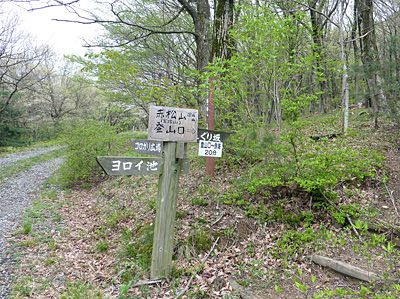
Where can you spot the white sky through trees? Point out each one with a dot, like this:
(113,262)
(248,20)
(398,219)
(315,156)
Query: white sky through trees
(63,37)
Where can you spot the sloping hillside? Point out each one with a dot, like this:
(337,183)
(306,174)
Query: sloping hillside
(279,199)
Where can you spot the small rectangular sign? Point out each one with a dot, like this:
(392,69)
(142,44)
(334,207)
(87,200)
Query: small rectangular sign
(211,135)
(130,165)
(149,147)
(210,149)
(172,124)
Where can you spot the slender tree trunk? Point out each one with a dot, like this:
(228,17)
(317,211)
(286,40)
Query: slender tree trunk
(369,55)
(202,25)
(317,36)
(345,85)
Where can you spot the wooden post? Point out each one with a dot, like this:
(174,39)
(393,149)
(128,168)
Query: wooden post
(166,211)
(210,161)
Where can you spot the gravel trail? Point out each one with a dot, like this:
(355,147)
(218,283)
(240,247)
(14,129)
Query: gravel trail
(16,194)
(26,155)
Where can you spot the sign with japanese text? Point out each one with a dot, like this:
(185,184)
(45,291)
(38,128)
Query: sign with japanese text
(211,135)
(130,165)
(172,124)
(149,147)
(210,148)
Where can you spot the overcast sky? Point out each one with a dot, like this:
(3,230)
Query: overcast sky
(64,38)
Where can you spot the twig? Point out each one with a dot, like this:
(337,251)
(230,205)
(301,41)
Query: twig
(347,216)
(353,227)
(146,282)
(219,219)
(181,293)
(390,193)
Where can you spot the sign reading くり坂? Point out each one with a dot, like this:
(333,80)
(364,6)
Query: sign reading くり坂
(149,147)
(130,165)
(211,135)
(172,124)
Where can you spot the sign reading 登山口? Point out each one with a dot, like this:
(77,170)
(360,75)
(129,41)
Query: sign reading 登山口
(172,124)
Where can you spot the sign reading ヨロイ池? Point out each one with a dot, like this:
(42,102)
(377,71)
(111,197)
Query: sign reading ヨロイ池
(172,124)
(149,147)
(130,165)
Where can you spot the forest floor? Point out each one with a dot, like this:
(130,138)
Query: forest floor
(96,242)
(23,179)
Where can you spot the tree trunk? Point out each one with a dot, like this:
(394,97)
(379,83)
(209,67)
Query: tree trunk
(345,85)
(369,55)
(202,32)
(317,36)
(222,42)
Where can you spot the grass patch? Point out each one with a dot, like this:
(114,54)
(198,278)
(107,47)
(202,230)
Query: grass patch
(102,246)
(79,290)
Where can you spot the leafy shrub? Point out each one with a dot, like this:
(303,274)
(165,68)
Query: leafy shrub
(12,135)
(85,141)
(294,163)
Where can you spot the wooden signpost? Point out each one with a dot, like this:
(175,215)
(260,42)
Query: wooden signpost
(169,130)
(172,124)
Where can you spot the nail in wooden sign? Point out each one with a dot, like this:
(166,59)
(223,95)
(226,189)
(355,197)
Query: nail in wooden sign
(172,124)
(130,165)
(148,147)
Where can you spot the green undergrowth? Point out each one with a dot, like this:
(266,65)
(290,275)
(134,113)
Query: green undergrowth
(79,290)
(292,166)
(85,141)
(25,164)
(135,252)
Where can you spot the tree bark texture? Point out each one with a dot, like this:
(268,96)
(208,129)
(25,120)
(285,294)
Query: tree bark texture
(369,54)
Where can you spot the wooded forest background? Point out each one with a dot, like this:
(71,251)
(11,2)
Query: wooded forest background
(260,62)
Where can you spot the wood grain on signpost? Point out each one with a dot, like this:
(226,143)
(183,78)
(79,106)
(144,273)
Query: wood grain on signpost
(166,210)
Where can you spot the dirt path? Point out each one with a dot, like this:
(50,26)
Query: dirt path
(9,159)
(16,194)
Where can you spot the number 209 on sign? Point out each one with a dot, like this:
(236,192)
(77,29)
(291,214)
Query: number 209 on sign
(210,148)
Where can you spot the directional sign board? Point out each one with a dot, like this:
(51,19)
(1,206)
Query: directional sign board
(172,124)
(211,142)
(149,147)
(211,135)
(130,165)
(210,149)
